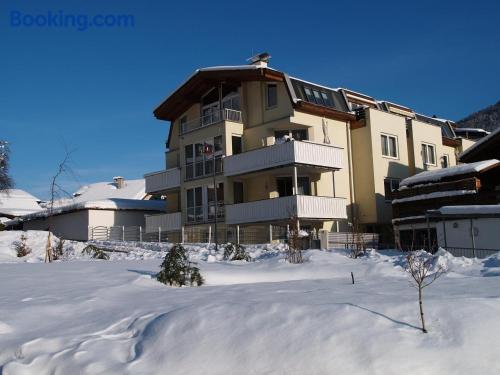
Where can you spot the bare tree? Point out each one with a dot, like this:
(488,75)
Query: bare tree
(5,180)
(56,191)
(419,265)
(358,246)
(294,252)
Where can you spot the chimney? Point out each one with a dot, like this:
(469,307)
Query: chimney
(260,60)
(119,182)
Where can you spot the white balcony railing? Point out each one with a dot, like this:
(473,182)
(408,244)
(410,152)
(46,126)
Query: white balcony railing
(287,153)
(213,118)
(163,180)
(163,222)
(283,208)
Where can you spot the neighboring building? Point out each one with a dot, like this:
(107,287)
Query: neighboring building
(346,152)
(471,133)
(15,203)
(486,148)
(119,203)
(432,204)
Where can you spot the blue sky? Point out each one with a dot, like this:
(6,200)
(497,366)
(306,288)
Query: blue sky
(94,91)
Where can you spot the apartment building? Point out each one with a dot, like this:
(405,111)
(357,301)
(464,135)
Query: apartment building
(250,145)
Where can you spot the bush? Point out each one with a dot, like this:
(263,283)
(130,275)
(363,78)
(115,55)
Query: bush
(21,246)
(58,251)
(177,270)
(235,252)
(95,252)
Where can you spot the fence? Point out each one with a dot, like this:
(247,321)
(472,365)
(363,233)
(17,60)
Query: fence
(348,240)
(193,234)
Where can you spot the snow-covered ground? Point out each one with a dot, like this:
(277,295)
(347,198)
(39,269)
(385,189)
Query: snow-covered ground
(82,316)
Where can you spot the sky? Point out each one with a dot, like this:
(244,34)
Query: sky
(92,90)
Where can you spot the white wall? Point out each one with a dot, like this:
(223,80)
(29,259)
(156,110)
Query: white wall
(75,225)
(458,233)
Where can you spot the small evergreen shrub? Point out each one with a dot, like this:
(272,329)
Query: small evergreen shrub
(21,247)
(177,270)
(234,251)
(95,252)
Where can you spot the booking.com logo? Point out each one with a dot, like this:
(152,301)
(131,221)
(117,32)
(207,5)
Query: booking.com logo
(80,22)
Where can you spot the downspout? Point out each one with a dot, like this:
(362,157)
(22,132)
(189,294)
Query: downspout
(351,171)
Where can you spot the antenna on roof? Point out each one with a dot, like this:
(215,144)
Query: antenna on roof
(260,59)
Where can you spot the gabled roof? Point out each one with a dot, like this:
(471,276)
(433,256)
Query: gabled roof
(203,79)
(17,202)
(132,189)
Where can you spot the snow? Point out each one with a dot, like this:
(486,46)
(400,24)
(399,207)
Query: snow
(260,317)
(434,195)
(16,202)
(491,209)
(132,189)
(471,130)
(439,174)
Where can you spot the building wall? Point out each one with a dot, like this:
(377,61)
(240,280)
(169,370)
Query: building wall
(380,122)
(458,233)
(430,134)
(71,225)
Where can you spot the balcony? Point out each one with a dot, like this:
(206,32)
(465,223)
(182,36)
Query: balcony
(287,153)
(163,180)
(213,118)
(163,222)
(283,208)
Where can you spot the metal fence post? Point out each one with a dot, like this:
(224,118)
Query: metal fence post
(209,234)
(159,234)
(182,234)
(140,233)
(270,233)
(123,233)
(473,238)
(91,230)
(238,234)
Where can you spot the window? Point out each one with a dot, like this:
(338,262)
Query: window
(236,143)
(194,205)
(445,161)
(428,154)
(285,186)
(390,185)
(326,99)
(199,164)
(317,97)
(389,145)
(272,95)
(183,122)
(309,95)
(211,203)
(238,192)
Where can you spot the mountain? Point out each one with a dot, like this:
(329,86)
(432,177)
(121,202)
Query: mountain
(487,118)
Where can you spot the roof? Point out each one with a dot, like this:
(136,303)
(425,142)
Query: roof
(105,204)
(449,173)
(488,209)
(17,202)
(471,130)
(132,189)
(484,148)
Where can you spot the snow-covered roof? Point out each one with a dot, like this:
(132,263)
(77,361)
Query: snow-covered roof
(132,189)
(433,195)
(440,174)
(17,202)
(105,204)
(471,130)
(490,209)
(480,142)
